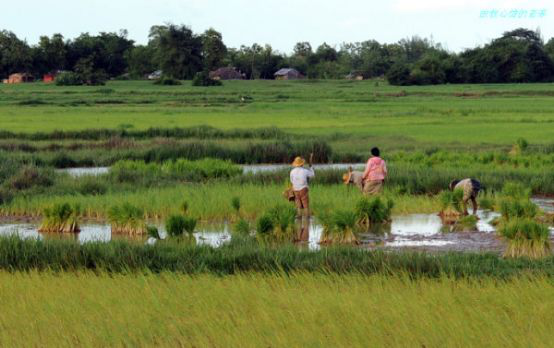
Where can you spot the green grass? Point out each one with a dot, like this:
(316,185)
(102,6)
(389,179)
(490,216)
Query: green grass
(252,310)
(497,114)
(210,201)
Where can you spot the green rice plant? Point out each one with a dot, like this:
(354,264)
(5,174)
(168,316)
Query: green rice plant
(235,203)
(190,224)
(344,222)
(152,231)
(241,227)
(526,237)
(373,211)
(61,217)
(175,225)
(283,216)
(486,203)
(466,223)
(184,208)
(451,205)
(516,209)
(127,219)
(515,190)
(265,225)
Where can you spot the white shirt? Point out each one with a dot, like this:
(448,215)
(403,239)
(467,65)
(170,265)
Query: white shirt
(299,177)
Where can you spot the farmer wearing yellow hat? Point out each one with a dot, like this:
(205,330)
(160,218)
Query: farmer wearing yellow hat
(299,177)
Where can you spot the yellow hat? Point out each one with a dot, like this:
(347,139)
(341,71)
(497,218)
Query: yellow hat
(346,177)
(298,162)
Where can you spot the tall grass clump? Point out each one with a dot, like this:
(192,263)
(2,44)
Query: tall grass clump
(371,211)
(127,219)
(526,237)
(265,225)
(60,217)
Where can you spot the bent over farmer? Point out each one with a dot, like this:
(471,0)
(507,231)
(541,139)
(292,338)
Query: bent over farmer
(299,177)
(375,173)
(471,188)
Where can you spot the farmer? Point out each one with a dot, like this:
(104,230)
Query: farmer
(354,177)
(374,174)
(471,188)
(299,177)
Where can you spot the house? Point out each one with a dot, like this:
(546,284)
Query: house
(49,77)
(227,73)
(155,75)
(288,74)
(20,78)
(354,76)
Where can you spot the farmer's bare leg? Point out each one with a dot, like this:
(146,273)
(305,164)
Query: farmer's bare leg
(475,206)
(464,203)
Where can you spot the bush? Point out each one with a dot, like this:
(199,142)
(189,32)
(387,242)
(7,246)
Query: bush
(68,79)
(167,81)
(202,79)
(399,74)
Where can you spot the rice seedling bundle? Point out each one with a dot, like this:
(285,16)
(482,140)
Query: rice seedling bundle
(338,227)
(264,225)
(517,208)
(451,205)
(283,217)
(60,218)
(373,211)
(152,231)
(127,219)
(241,227)
(526,238)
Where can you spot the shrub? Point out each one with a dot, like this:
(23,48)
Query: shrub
(526,238)
(60,218)
(373,211)
(68,79)
(202,79)
(167,81)
(128,219)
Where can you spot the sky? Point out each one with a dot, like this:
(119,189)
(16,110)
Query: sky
(455,24)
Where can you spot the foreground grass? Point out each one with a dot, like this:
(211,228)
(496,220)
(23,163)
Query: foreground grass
(253,310)
(246,255)
(212,201)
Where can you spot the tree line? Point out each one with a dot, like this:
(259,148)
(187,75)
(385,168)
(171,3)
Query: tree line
(519,55)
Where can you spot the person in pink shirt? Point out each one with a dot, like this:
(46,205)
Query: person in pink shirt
(374,174)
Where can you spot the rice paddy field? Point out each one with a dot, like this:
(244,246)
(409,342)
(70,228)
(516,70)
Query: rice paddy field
(146,154)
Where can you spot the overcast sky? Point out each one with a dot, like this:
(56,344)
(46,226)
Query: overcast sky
(457,24)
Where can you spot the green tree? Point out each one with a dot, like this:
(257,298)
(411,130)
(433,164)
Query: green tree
(178,51)
(213,49)
(141,61)
(15,54)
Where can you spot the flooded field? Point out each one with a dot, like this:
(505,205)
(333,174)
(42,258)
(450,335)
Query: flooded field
(255,168)
(416,231)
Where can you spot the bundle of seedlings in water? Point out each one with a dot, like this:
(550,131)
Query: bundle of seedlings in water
(127,219)
(338,227)
(283,217)
(153,232)
(181,227)
(264,227)
(241,227)
(466,223)
(526,238)
(451,206)
(60,218)
(370,211)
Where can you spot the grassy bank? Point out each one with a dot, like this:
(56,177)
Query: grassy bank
(245,256)
(85,309)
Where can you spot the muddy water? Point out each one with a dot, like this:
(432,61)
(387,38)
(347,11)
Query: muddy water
(257,168)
